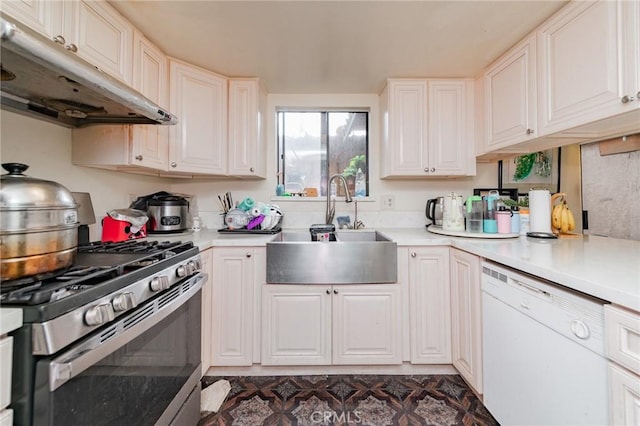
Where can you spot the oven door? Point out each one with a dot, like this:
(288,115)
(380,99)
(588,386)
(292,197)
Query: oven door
(139,370)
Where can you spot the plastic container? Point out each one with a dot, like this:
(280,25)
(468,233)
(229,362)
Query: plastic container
(474,213)
(503,218)
(246,204)
(515,220)
(489,210)
(361,184)
(524,221)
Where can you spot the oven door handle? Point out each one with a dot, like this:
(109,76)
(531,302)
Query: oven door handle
(80,357)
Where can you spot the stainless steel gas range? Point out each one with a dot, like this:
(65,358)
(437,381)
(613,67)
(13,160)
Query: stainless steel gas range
(113,340)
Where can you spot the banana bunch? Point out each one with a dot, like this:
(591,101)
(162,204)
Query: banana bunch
(562,220)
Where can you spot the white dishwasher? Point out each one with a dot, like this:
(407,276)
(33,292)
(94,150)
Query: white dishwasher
(543,351)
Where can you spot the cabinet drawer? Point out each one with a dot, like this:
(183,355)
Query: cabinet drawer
(623,337)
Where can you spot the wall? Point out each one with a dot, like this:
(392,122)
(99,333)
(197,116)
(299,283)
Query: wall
(611,184)
(46,148)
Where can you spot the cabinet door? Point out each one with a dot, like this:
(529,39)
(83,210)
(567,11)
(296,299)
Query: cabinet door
(102,36)
(367,324)
(150,143)
(510,97)
(404,120)
(43,16)
(624,394)
(582,60)
(430,312)
(207,309)
(197,144)
(232,307)
(296,324)
(466,317)
(247,150)
(451,144)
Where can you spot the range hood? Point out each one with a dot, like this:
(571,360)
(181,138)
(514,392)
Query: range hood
(41,79)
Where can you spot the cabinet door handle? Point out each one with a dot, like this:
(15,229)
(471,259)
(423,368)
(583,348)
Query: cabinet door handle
(335,291)
(59,39)
(71,48)
(426,169)
(638,96)
(248,254)
(433,169)
(174,164)
(139,157)
(252,170)
(413,254)
(529,131)
(328,291)
(626,99)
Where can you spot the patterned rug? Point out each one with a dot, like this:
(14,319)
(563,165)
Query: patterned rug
(348,400)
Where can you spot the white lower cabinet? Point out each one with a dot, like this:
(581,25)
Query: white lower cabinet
(624,394)
(236,271)
(429,305)
(323,324)
(622,327)
(466,317)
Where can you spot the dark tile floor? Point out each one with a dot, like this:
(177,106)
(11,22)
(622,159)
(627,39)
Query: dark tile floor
(348,400)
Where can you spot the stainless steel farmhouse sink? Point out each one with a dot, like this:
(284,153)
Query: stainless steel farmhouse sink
(356,257)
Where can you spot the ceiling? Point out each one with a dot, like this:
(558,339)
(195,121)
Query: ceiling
(304,46)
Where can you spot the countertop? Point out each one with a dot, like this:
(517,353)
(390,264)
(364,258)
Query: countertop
(606,268)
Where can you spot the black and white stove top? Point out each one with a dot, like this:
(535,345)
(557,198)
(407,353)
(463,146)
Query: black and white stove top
(99,269)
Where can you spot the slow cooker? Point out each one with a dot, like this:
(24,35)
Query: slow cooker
(167,214)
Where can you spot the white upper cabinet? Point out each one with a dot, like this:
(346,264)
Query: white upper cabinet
(588,67)
(510,107)
(427,128)
(451,145)
(43,16)
(92,29)
(150,143)
(142,148)
(198,143)
(247,128)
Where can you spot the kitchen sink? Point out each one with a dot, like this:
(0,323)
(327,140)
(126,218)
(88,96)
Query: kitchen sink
(356,257)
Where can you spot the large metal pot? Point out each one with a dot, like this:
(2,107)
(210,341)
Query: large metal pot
(38,225)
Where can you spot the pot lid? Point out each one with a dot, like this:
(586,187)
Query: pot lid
(19,191)
(168,200)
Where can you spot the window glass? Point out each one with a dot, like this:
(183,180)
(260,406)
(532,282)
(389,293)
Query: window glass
(314,145)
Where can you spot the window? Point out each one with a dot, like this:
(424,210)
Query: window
(315,145)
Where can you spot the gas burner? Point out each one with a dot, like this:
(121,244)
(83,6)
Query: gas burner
(129,246)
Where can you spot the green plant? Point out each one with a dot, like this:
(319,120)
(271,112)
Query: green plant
(524,165)
(356,162)
(523,202)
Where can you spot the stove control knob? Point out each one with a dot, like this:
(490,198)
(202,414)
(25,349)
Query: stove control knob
(124,302)
(161,282)
(100,314)
(181,271)
(193,267)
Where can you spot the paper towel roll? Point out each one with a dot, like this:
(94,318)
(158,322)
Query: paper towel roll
(539,210)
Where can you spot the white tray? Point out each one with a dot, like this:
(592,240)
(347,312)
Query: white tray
(439,230)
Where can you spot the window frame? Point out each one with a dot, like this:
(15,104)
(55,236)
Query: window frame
(324,143)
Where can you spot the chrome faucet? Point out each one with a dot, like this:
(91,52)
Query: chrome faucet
(331,210)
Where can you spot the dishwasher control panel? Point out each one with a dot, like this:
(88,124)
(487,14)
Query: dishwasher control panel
(577,316)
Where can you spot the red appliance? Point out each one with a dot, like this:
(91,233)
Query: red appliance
(122,225)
